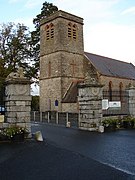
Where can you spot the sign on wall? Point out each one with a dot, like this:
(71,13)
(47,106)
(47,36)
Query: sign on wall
(110,104)
(115,104)
(105,104)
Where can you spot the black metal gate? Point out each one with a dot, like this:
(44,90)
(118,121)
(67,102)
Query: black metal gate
(121,96)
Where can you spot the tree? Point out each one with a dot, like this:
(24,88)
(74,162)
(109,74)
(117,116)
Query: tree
(46,10)
(20,48)
(15,49)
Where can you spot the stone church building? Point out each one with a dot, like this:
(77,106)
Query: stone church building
(64,64)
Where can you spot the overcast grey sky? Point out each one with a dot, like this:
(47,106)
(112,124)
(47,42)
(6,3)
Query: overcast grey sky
(109,25)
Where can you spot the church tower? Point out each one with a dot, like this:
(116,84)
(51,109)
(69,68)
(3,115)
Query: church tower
(61,59)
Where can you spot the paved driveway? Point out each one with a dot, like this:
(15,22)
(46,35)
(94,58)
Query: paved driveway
(115,149)
(70,154)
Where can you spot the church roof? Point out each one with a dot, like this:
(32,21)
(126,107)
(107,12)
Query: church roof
(105,66)
(111,67)
(71,94)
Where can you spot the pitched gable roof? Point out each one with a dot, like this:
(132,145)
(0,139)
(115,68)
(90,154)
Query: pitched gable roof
(71,94)
(111,67)
(105,66)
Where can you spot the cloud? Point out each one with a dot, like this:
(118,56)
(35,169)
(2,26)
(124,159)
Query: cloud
(129,11)
(112,40)
(33,3)
(14,1)
(92,11)
(91,8)
(35,89)
(101,34)
(29,4)
(26,21)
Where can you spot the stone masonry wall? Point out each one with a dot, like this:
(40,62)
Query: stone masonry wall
(61,59)
(90,106)
(61,41)
(18,100)
(70,107)
(50,90)
(131,92)
(115,82)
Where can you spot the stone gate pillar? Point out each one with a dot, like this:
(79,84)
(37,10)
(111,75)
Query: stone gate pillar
(18,100)
(90,105)
(131,100)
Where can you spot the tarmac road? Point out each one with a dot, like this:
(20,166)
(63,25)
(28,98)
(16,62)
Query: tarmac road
(115,149)
(69,154)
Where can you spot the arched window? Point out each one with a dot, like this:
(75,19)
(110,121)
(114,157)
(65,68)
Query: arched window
(73,67)
(49,31)
(72,31)
(110,90)
(120,90)
(49,69)
(52,30)
(56,102)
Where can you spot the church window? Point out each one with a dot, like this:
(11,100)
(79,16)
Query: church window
(56,102)
(73,66)
(72,31)
(69,30)
(110,90)
(120,90)
(49,69)
(49,31)
(52,30)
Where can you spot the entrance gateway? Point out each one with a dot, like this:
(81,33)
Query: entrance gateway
(90,104)
(18,100)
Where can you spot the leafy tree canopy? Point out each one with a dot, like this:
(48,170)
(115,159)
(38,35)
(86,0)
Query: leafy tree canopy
(16,49)
(19,47)
(46,10)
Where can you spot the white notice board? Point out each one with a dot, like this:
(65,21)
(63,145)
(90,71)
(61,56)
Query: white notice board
(114,104)
(105,104)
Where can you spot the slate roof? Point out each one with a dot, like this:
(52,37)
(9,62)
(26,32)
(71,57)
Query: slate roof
(111,67)
(71,94)
(105,66)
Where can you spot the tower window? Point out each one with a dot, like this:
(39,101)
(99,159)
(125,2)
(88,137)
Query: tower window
(52,30)
(72,31)
(49,69)
(49,31)
(69,30)
(73,66)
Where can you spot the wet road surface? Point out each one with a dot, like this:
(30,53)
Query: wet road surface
(70,154)
(114,149)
